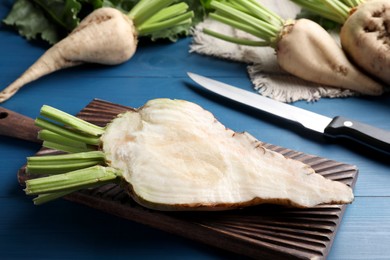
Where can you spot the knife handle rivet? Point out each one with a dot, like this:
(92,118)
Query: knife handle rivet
(348,123)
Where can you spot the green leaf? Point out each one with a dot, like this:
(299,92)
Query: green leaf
(172,34)
(123,5)
(63,12)
(94,3)
(31,23)
(198,9)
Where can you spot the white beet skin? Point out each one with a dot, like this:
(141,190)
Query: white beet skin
(365,37)
(306,50)
(106,36)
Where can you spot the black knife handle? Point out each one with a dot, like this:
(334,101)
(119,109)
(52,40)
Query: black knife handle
(370,136)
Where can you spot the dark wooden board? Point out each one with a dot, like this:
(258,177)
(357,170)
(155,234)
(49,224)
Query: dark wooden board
(265,231)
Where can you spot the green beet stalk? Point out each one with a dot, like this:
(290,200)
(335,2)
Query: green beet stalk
(82,166)
(56,164)
(64,129)
(334,10)
(71,180)
(321,9)
(184,18)
(55,186)
(151,16)
(47,197)
(73,134)
(248,16)
(62,143)
(69,120)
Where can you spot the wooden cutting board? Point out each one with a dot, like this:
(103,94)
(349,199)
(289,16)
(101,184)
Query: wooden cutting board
(265,231)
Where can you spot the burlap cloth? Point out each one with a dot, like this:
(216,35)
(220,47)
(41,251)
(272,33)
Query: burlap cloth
(267,77)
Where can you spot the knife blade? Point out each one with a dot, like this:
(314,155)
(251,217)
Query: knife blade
(336,127)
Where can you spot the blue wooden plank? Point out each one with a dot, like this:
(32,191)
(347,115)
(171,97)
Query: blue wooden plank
(65,230)
(364,233)
(13,155)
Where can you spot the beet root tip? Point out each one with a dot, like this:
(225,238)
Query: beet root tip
(7,93)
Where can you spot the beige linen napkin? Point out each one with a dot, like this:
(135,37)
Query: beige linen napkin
(267,77)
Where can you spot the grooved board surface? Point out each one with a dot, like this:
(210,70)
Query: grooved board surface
(261,231)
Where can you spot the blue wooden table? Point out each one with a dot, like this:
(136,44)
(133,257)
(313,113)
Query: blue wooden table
(64,230)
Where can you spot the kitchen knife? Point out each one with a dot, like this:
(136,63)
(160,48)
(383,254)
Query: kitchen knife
(337,127)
